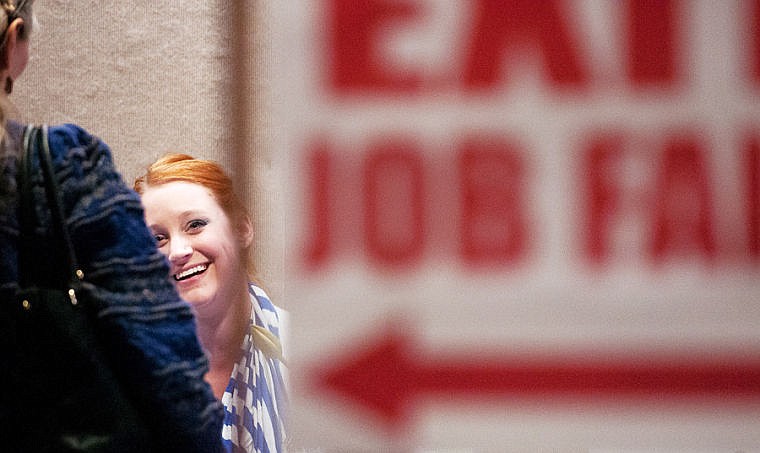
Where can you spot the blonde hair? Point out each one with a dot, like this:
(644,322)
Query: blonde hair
(14,9)
(209,174)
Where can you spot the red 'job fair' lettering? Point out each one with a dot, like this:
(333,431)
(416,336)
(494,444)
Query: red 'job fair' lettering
(494,224)
(387,192)
(602,195)
(752,164)
(683,221)
(394,204)
(319,197)
(387,202)
(673,200)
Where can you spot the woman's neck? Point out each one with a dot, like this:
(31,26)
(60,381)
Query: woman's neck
(222,339)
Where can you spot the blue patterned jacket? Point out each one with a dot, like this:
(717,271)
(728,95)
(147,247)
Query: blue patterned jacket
(128,277)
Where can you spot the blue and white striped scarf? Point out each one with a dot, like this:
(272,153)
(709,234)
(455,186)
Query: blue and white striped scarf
(255,398)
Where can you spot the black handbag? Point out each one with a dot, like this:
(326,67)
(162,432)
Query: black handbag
(65,396)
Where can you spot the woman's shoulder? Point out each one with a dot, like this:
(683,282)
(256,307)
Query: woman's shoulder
(275,318)
(74,148)
(258,291)
(88,177)
(71,129)
(61,137)
(265,302)
(70,136)
(271,313)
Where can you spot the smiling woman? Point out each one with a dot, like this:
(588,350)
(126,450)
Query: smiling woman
(206,234)
(205,251)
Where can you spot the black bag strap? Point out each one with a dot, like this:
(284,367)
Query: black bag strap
(35,142)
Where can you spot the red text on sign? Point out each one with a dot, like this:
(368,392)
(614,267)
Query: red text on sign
(396,205)
(498,34)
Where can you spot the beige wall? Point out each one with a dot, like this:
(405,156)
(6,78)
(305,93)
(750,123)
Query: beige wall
(152,77)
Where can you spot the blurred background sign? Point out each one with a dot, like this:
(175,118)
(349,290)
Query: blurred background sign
(518,225)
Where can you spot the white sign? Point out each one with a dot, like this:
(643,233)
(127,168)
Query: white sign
(521,226)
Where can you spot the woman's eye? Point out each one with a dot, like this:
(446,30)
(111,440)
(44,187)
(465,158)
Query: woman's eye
(196,224)
(160,239)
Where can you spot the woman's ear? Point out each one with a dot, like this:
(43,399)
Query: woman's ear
(245,232)
(16,54)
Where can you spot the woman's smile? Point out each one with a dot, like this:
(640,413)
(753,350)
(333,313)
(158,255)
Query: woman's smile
(190,272)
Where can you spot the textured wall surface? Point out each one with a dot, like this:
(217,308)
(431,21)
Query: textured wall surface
(152,77)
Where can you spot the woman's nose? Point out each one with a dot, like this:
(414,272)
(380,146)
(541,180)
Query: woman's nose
(179,250)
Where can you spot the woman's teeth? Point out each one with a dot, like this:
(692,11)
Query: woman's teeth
(190,272)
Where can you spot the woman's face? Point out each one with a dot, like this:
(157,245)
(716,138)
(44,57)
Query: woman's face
(203,248)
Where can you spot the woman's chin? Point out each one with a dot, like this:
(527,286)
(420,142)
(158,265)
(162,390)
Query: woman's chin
(198,301)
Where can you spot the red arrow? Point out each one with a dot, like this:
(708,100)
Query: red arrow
(388,377)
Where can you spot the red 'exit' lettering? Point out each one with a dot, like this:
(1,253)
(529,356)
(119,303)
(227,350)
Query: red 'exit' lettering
(396,207)
(500,32)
